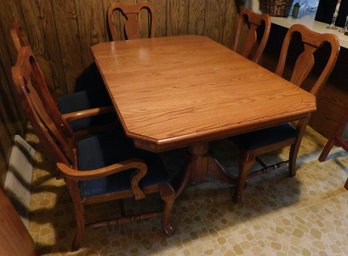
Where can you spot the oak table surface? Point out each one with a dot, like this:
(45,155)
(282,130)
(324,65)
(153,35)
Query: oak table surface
(180,91)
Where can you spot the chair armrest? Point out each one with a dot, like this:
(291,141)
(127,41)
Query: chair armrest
(87,113)
(141,167)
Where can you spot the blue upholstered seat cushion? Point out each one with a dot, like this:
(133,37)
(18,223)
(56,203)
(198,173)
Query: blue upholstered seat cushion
(85,100)
(265,137)
(109,148)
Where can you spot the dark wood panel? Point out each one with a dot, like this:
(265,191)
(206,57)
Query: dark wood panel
(67,31)
(197,9)
(161,18)
(91,27)
(177,17)
(48,26)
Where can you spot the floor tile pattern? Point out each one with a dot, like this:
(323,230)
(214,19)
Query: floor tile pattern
(303,215)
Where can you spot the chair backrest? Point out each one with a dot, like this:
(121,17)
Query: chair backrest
(131,13)
(312,41)
(253,46)
(18,36)
(55,140)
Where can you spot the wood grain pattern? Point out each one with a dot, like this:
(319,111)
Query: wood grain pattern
(14,237)
(177,17)
(91,27)
(176,89)
(62,31)
(68,37)
(197,9)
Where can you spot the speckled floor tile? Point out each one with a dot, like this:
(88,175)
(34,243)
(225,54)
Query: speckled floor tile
(303,215)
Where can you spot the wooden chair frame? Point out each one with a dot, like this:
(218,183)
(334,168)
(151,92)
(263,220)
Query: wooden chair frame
(252,48)
(131,12)
(62,148)
(337,140)
(303,66)
(18,36)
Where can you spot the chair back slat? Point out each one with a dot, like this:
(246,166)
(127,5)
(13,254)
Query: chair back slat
(252,47)
(54,139)
(18,36)
(131,13)
(312,42)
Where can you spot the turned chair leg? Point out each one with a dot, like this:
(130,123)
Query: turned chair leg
(245,164)
(332,140)
(80,227)
(293,157)
(167,194)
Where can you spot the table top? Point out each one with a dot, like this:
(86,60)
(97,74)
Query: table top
(172,92)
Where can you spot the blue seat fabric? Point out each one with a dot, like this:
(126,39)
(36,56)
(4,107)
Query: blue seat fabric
(83,100)
(265,137)
(109,148)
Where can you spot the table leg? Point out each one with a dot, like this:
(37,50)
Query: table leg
(199,166)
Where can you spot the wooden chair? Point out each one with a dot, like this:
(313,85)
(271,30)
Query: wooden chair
(254,144)
(253,46)
(97,168)
(131,13)
(337,140)
(95,100)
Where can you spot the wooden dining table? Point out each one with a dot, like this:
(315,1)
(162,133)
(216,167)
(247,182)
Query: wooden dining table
(185,91)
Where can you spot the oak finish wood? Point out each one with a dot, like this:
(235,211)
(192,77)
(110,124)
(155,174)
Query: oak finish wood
(15,239)
(131,26)
(252,47)
(185,91)
(304,64)
(338,140)
(60,143)
(61,32)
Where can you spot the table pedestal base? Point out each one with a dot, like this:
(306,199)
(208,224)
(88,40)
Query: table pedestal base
(201,164)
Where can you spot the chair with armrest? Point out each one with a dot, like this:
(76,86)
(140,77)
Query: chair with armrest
(337,140)
(98,168)
(71,105)
(131,26)
(251,47)
(254,144)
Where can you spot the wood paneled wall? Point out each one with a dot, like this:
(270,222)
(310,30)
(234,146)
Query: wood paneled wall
(62,31)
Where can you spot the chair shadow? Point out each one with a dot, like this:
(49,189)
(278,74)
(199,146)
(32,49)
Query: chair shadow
(200,210)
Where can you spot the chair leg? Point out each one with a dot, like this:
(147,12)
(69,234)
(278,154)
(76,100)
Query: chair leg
(346,185)
(327,148)
(245,164)
(292,157)
(80,226)
(337,134)
(79,213)
(168,196)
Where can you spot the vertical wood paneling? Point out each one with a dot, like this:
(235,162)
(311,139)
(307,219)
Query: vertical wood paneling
(68,37)
(91,27)
(36,37)
(48,27)
(161,18)
(177,17)
(196,17)
(11,118)
(227,22)
(212,19)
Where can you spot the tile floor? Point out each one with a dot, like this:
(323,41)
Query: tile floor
(303,215)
